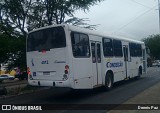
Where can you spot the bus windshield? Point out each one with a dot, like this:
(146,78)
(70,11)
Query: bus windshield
(46,39)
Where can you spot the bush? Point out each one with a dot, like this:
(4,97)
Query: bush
(3,91)
(22,76)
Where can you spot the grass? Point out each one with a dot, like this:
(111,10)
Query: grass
(21,90)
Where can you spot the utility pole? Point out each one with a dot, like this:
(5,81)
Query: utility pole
(159,14)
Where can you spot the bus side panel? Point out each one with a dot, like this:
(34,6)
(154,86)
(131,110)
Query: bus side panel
(80,76)
(134,66)
(69,57)
(144,55)
(82,73)
(118,69)
(84,83)
(136,61)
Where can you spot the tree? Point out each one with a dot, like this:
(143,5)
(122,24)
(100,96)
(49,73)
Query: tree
(36,16)
(31,14)
(12,42)
(54,11)
(81,22)
(17,17)
(153,42)
(15,14)
(12,51)
(17,55)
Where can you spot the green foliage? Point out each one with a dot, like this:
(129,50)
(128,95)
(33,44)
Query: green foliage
(17,17)
(81,22)
(19,51)
(153,42)
(15,14)
(49,12)
(25,15)
(12,50)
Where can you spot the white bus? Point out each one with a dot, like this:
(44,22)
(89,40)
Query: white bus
(78,58)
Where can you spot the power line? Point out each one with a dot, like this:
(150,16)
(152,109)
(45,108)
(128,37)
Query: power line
(141,4)
(135,19)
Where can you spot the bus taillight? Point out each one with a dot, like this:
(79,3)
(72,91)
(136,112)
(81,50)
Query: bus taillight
(43,51)
(28,71)
(67,67)
(66,71)
(65,76)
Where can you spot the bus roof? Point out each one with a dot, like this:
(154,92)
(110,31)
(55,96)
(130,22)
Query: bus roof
(101,34)
(90,32)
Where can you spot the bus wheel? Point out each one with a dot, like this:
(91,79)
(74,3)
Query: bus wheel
(108,81)
(139,74)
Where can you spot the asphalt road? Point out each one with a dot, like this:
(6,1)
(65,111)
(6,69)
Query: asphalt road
(121,92)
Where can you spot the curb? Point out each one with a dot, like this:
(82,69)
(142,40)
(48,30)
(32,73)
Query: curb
(20,92)
(146,98)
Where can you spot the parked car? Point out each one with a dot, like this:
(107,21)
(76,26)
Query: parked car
(6,77)
(22,76)
(158,64)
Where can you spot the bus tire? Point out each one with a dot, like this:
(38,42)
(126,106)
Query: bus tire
(139,73)
(108,81)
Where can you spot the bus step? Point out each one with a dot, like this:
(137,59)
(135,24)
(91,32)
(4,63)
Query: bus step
(127,78)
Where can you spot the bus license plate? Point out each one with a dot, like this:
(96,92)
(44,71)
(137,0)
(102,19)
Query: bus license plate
(46,73)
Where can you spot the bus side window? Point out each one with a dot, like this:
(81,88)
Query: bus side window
(117,46)
(80,45)
(135,50)
(77,50)
(107,47)
(139,50)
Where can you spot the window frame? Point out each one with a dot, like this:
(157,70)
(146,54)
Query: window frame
(79,33)
(111,47)
(139,50)
(135,49)
(119,48)
(32,37)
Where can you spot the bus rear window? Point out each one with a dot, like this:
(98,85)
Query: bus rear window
(46,39)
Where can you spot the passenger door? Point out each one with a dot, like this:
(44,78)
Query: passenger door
(144,60)
(96,62)
(126,60)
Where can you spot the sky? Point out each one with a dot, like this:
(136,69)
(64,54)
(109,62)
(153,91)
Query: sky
(135,19)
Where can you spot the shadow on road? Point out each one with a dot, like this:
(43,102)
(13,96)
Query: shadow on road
(62,95)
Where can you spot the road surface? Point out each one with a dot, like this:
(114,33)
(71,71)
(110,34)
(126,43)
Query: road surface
(121,92)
